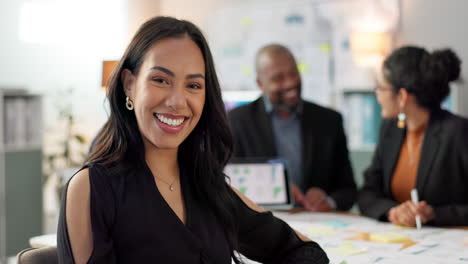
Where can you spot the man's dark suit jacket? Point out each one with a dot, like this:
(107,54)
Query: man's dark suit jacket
(324,152)
(442,178)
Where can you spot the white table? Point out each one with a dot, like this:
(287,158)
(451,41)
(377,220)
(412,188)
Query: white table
(334,231)
(49,240)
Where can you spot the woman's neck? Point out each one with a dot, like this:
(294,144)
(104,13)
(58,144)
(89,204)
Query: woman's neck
(417,117)
(162,161)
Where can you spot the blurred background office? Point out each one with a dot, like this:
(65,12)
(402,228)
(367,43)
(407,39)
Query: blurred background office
(55,56)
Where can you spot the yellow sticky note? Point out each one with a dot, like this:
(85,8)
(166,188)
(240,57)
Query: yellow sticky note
(348,249)
(321,230)
(302,67)
(247,70)
(246,21)
(398,227)
(388,237)
(325,47)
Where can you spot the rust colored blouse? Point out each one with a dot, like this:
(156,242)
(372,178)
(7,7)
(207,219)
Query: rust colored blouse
(406,170)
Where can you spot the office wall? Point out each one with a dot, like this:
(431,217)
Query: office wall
(438,24)
(51,46)
(198,12)
(138,11)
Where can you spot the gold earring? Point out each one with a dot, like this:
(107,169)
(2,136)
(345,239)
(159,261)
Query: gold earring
(401,120)
(129,104)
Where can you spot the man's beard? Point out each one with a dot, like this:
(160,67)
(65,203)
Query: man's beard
(281,105)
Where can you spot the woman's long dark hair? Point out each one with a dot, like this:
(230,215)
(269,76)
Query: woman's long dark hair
(203,154)
(423,74)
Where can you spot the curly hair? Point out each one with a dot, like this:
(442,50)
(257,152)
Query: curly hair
(423,74)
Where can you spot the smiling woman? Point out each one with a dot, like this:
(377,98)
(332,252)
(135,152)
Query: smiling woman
(153,187)
(168,91)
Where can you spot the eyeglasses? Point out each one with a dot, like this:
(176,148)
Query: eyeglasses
(380,88)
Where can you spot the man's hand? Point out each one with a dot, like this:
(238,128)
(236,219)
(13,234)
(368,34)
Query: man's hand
(316,200)
(405,213)
(299,197)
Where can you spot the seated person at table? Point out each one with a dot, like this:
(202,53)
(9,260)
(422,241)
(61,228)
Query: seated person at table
(153,188)
(308,136)
(425,148)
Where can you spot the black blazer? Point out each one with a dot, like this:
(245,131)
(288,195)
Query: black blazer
(442,178)
(324,152)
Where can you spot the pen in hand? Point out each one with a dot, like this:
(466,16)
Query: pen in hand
(415,199)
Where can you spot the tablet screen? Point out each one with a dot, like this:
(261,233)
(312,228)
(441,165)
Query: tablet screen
(265,183)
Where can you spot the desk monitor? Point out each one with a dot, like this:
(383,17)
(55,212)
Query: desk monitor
(264,181)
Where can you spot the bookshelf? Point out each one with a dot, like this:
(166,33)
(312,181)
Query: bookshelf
(20,169)
(362,118)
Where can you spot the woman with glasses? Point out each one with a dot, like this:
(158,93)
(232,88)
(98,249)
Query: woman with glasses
(421,146)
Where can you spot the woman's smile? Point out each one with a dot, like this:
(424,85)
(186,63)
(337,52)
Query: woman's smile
(170,123)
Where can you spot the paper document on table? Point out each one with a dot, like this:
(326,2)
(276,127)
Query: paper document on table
(320,230)
(348,249)
(326,218)
(334,223)
(353,239)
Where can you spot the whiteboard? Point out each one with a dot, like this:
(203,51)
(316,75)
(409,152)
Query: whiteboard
(238,32)
(316,31)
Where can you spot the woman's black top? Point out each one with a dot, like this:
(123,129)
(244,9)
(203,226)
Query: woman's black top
(132,223)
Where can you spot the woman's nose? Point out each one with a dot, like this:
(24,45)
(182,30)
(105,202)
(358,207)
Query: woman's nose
(176,98)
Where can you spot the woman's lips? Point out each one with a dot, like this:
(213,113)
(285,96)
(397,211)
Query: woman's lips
(169,123)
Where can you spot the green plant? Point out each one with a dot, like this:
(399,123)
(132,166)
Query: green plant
(70,148)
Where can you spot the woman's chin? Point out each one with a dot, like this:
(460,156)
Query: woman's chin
(167,146)
(164,145)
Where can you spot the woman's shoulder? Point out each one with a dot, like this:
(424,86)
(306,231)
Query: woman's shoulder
(388,127)
(79,186)
(97,175)
(110,171)
(80,183)
(453,122)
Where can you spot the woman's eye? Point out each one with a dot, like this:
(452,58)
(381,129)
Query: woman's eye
(160,80)
(194,86)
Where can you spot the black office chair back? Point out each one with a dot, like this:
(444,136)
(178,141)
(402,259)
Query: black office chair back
(46,255)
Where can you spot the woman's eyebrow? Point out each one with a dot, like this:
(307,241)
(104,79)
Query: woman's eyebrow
(165,70)
(169,72)
(195,75)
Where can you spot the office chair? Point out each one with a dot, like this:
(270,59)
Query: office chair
(46,255)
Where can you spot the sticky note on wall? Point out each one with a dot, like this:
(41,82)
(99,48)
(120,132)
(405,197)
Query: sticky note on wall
(325,48)
(302,67)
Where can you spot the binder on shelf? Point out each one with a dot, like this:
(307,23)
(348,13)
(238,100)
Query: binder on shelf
(9,119)
(371,119)
(362,119)
(33,122)
(22,119)
(20,128)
